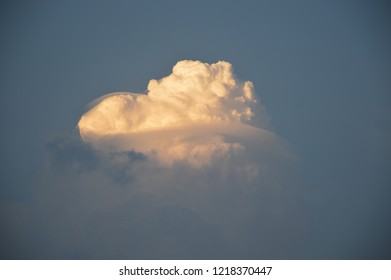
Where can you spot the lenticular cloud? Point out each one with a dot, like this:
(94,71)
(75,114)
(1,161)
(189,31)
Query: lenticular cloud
(187,116)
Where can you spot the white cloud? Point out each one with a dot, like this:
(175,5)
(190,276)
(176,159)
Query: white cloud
(183,117)
(184,172)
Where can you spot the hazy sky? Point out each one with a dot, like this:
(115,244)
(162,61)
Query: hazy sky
(320,68)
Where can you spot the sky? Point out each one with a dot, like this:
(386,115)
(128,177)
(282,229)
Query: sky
(320,151)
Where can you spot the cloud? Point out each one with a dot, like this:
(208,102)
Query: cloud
(182,117)
(188,171)
(194,93)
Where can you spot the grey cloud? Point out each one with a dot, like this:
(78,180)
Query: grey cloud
(126,206)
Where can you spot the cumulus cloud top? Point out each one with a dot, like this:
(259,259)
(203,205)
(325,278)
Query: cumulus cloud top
(195,94)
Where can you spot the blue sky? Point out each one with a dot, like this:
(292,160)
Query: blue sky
(321,68)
